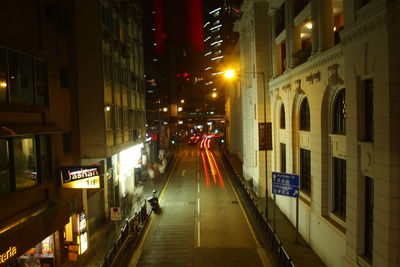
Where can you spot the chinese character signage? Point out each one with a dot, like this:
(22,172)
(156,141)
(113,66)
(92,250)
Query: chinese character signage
(80,177)
(285,184)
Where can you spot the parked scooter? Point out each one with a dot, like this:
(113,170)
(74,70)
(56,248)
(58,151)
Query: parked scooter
(153,200)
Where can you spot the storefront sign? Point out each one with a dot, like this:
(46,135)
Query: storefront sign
(73,252)
(80,177)
(82,234)
(11,252)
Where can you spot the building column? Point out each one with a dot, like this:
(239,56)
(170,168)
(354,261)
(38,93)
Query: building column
(325,29)
(315,26)
(293,40)
(274,48)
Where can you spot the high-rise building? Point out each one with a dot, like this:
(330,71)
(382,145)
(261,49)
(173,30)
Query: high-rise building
(219,41)
(109,121)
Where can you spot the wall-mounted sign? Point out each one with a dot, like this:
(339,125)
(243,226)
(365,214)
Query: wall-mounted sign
(115,213)
(82,234)
(81,217)
(5,256)
(80,177)
(265,136)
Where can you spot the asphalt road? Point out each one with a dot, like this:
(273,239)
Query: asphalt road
(202,222)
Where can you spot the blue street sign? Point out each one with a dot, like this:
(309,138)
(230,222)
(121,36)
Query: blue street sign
(285,184)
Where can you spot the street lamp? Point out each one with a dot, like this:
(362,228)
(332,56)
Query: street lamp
(230,74)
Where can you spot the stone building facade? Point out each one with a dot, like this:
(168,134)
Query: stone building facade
(333,103)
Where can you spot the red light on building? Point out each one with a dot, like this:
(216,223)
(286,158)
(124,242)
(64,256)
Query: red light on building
(159,25)
(195,24)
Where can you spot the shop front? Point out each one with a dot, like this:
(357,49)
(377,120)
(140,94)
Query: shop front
(35,240)
(76,236)
(41,255)
(128,161)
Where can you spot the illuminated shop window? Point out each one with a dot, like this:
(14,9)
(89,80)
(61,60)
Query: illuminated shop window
(40,255)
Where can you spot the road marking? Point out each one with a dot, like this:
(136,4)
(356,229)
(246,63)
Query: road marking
(198,233)
(183,172)
(198,188)
(243,211)
(198,206)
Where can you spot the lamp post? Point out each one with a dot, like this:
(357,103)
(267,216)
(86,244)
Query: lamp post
(230,74)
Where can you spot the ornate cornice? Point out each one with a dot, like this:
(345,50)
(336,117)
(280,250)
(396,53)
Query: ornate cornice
(361,29)
(311,67)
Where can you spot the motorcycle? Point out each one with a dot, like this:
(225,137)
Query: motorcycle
(153,200)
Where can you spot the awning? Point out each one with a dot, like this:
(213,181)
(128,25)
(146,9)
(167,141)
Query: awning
(18,130)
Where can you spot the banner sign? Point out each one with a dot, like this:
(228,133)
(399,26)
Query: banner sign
(264,136)
(80,177)
(285,184)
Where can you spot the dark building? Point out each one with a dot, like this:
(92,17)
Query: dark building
(71,106)
(35,111)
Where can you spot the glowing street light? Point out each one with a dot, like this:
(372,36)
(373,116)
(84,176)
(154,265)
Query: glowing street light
(182,101)
(180,109)
(214,95)
(229,74)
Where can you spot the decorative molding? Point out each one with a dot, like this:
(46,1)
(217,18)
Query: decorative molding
(286,87)
(297,84)
(359,30)
(312,65)
(314,76)
(333,76)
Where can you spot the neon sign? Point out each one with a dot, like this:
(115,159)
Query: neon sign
(11,252)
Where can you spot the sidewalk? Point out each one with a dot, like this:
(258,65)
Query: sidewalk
(102,241)
(300,253)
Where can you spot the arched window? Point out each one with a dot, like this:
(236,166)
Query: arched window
(339,113)
(304,116)
(283,125)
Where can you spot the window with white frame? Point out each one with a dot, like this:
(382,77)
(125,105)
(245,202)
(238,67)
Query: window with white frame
(339,114)
(339,187)
(304,115)
(283,157)
(369,218)
(305,171)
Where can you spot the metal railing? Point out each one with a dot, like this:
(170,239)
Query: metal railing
(133,227)
(282,257)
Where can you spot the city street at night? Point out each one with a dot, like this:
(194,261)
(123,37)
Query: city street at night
(201,222)
(222,133)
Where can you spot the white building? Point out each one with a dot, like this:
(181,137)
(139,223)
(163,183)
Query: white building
(330,68)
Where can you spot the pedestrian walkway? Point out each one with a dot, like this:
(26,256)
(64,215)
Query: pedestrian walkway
(102,241)
(300,252)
